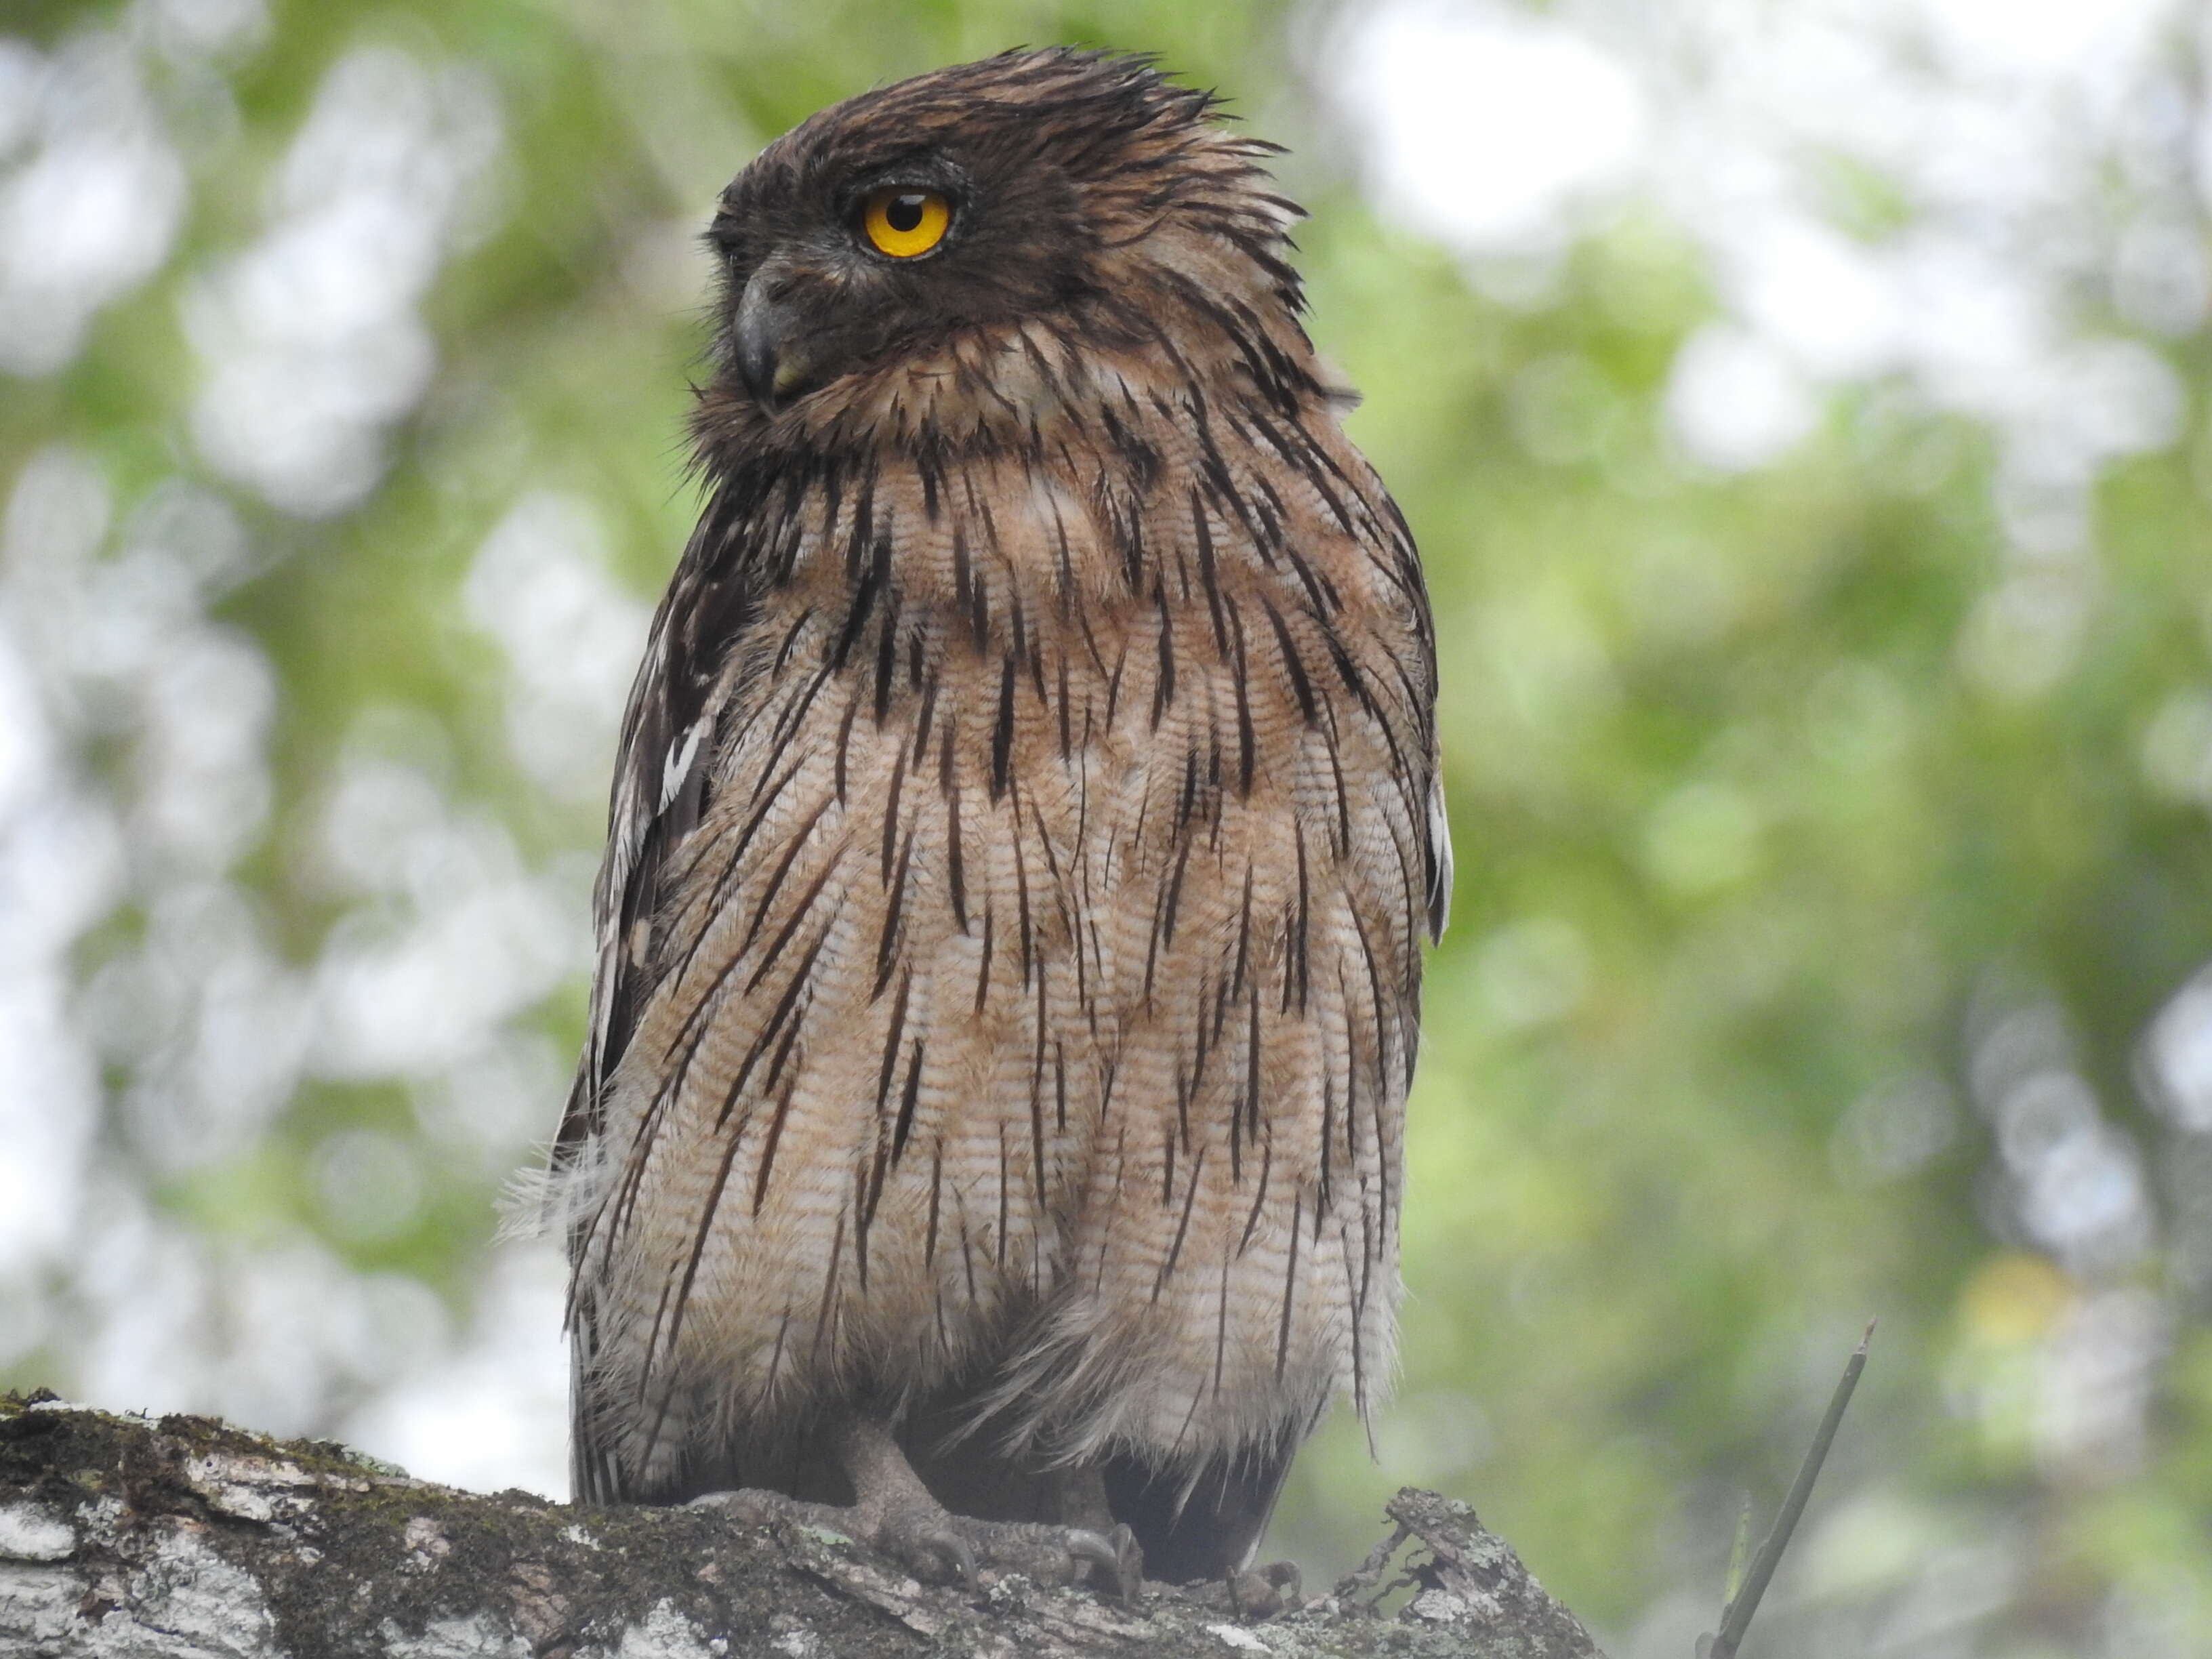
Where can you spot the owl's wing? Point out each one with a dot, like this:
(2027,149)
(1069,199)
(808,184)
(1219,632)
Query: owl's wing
(1440,855)
(669,738)
(662,768)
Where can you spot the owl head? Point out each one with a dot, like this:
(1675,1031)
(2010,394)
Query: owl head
(930,244)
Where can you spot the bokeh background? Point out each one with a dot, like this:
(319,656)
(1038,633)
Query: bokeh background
(1803,408)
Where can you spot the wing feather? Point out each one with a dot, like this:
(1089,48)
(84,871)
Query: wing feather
(670,733)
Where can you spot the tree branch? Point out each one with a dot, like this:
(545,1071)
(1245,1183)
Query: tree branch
(182,1536)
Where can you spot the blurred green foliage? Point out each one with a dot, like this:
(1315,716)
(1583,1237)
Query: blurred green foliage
(1765,818)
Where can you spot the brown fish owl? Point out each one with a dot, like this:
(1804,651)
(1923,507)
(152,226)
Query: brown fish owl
(1025,827)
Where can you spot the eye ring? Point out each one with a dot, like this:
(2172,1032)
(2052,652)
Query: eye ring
(905,223)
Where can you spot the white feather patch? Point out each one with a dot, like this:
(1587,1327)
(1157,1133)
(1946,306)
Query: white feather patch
(679,767)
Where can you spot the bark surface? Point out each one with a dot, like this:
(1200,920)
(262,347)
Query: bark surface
(125,1537)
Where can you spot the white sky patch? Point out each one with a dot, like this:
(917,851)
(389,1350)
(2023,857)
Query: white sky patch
(21,69)
(1984,200)
(542,586)
(1486,123)
(61,866)
(472,939)
(494,1412)
(1831,302)
(1999,125)
(92,206)
(46,1123)
(1734,402)
(26,744)
(205,28)
(312,341)
(2175,1063)
(2040,37)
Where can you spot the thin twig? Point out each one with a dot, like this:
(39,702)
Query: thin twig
(1735,1620)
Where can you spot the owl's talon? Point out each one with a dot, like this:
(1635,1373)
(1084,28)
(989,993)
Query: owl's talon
(924,1538)
(1047,1554)
(1116,1555)
(965,1559)
(938,1547)
(758,1508)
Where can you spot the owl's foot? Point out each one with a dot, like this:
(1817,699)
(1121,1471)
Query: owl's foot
(936,1545)
(894,1513)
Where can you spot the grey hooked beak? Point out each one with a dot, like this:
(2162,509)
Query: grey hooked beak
(770,360)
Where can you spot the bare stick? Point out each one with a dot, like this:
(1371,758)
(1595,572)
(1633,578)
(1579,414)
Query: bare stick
(1735,1619)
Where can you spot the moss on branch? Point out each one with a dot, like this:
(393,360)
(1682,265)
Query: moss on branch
(122,1535)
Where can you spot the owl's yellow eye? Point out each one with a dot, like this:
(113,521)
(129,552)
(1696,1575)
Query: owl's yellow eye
(905,223)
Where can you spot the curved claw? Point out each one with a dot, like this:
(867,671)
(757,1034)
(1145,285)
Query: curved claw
(1118,1555)
(917,1533)
(961,1554)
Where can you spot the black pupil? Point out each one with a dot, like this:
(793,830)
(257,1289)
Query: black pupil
(904,213)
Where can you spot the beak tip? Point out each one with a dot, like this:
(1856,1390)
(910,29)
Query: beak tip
(756,369)
(756,345)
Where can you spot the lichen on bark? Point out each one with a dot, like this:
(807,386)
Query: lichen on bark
(170,1538)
